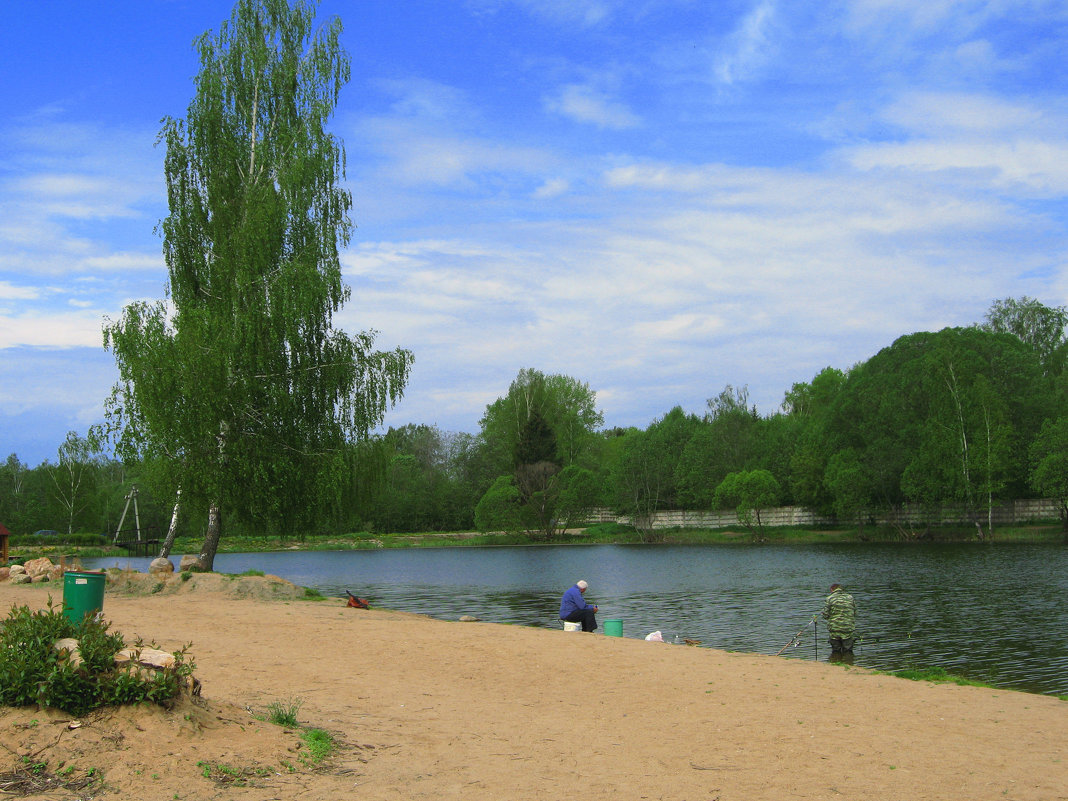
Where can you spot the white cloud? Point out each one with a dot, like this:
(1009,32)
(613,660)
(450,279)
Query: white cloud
(425,99)
(586,104)
(419,156)
(1033,166)
(582,12)
(681,327)
(9,291)
(927,113)
(51,330)
(553,187)
(748,47)
(124,262)
(985,140)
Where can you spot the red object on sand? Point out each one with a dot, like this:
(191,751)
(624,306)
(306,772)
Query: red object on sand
(357,603)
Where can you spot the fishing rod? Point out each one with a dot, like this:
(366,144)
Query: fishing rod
(796,639)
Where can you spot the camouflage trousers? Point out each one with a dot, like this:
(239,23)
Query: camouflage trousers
(840,645)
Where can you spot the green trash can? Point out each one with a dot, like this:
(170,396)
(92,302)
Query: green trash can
(613,628)
(83,594)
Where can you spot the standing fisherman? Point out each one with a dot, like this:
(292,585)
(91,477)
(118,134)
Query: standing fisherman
(840,612)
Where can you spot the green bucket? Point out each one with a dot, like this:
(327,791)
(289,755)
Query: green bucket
(613,628)
(83,594)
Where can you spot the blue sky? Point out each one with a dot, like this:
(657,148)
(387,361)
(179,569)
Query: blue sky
(656,197)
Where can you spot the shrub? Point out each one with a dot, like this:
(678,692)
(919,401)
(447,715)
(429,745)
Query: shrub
(32,671)
(284,713)
(500,508)
(319,745)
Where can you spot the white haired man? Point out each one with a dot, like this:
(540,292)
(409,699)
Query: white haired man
(574,609)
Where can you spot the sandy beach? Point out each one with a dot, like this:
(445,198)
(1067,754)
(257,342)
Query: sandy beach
(429,709)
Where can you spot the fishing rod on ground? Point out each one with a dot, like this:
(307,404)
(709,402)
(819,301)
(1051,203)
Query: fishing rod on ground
(796,639)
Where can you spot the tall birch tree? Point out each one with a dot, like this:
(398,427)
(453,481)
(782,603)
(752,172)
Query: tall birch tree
(239,379)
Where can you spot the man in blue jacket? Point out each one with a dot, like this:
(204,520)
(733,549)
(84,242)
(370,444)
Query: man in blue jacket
(574,609)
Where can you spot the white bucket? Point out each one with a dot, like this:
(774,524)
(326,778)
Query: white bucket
(569,626)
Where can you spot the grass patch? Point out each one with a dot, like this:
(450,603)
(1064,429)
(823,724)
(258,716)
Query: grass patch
(227,775)
(284,713)
(937,675)
(318,745)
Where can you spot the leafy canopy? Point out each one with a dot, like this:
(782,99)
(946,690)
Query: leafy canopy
(242,383)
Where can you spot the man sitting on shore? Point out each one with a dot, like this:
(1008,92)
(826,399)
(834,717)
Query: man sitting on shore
(574,609)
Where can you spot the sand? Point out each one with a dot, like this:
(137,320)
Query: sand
(428,709)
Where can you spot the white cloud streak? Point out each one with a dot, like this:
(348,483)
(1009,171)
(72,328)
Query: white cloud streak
(588,105)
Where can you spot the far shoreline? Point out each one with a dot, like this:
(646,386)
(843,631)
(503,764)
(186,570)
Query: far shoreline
(1043,533)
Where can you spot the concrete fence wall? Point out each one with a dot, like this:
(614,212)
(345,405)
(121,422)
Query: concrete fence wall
(1010,513)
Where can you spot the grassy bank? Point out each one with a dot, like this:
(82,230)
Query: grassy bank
(604,533)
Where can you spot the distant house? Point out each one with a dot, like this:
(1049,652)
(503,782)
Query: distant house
(4,534)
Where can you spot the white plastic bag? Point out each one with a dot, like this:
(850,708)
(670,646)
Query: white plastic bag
(656,636)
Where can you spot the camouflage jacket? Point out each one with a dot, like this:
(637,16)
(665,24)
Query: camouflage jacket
(840,612)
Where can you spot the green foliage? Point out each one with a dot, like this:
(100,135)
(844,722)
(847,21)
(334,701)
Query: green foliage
(537,442)
(1039,326)
(637,476)
(937,675)
(318,745)
(543,426)
(567,407)
(953,421)
(579,493)
(79,539)
(500,509)
(73,475)
(284,713)
(246,394)
(940,418)
(417,478)
(748,491)
(848,484)
(1049,463)
(33,671)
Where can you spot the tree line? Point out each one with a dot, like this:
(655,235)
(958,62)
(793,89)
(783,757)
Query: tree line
(963,418)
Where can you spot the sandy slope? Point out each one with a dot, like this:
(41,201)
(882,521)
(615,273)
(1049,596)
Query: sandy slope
(426,709)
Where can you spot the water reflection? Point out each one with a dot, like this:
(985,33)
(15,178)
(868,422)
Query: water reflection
(992,613)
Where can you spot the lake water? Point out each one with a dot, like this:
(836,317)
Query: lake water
(994,613)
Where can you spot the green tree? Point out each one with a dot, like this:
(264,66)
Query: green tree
(15,496)
(639,477)
(74,476)
(942,419)
(1040,326)
(642,476)
(567,406)
(542,426)
(536,472)
(501,508)
(579,493)
(809,406)
(749,491)
(1049,465)
(725,442)
(848,486)
(247,390)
